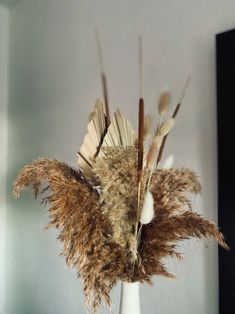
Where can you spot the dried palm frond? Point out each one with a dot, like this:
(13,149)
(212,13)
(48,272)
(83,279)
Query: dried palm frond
(93,139)
(120,133)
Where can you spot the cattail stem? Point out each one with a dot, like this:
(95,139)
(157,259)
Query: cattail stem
(141,67)
(176,110)
(173,116)
(103,79)
(140,152)
(106,103)
(139,166)
(81,155)
(159,157)
(141,137)
(140,141)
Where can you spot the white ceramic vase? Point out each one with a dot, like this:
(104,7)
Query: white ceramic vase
(129,300)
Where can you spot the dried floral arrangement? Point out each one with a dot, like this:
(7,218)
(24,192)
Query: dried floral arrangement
(120,213)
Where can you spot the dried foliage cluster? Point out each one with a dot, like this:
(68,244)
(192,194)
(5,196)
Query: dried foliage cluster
(95,209)
(122,212)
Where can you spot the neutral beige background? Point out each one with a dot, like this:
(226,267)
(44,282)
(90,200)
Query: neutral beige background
(54,82)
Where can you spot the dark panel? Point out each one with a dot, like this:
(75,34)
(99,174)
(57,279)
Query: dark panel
(225,43)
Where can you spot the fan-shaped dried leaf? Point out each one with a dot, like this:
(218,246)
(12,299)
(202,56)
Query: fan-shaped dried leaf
(93,139)
(120,133)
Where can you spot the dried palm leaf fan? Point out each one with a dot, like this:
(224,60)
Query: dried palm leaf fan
(119,214)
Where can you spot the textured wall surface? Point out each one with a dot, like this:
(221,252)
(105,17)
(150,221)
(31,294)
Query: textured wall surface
(54,83)
(4,35)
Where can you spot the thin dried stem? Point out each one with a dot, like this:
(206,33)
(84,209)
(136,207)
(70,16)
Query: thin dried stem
(81,155)
(141,137)
(141,67)
(106,103)
(103,79)
(173,116)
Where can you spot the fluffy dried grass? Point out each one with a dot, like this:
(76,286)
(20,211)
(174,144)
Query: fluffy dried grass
(97,230)
(84,231)
(117,174)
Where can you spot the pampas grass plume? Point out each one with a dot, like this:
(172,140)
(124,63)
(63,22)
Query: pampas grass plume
(164,103)
(166,127)
(147,125)
(147,212)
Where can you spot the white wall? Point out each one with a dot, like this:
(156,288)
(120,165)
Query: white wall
(3,143)
(54,82)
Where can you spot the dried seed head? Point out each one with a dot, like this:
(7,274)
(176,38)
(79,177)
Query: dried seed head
(166,127)
(147,213)
(164,103)
(147,125)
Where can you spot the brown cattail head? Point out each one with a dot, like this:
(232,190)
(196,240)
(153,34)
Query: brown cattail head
(141,136)
(176,110)
(106,103)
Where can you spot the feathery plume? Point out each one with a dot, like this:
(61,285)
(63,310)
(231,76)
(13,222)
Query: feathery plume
(147,212)
(147,125)
(164,103)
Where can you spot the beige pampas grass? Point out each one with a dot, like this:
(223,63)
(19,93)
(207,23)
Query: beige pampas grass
(117,176)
